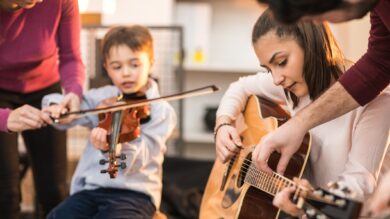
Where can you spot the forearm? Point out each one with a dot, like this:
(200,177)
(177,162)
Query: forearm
(223,119)
(335,102)
(4,114)
(71,67)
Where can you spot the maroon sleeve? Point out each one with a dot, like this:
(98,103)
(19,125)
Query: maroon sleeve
(71,67)
(4,113)
(371,73)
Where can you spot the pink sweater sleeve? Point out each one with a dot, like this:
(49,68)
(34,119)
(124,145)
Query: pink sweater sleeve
(71,67)
(4,113)
(371,73)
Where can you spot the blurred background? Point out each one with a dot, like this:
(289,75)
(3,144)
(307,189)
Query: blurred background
(197,43)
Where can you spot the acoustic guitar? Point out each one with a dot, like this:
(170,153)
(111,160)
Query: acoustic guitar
(239,190)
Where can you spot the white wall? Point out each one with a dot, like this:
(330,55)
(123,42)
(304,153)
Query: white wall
(352,37)
(146,12)
(229,34)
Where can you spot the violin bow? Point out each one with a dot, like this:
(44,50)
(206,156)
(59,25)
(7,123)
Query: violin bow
(191,93)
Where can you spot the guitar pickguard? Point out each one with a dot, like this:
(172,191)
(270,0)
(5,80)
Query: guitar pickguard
(231,194)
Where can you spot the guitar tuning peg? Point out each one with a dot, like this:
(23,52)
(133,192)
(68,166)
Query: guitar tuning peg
(310,212)
(346,190)
(340,202)
(329,198)
(321,216)
(318,192)
(349,193)
(333,185)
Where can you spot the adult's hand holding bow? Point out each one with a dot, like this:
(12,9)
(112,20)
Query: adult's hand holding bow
(27,117)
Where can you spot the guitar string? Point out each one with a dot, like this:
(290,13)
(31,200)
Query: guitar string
(269,181)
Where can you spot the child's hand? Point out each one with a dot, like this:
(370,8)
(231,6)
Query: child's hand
(227,142)
(70,102)
(99,138)
(55,111)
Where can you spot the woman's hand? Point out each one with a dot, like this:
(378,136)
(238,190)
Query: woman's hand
(282,199)
(27,117)
(99,138)
(227,139)
(285,140)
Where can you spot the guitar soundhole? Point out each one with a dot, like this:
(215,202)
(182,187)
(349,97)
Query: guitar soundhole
(243,170)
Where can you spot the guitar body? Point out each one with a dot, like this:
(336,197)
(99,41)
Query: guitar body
(227,195)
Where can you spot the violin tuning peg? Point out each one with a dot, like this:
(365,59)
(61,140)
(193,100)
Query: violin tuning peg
(103,171)
(123,165)
(103,161)
(122,156)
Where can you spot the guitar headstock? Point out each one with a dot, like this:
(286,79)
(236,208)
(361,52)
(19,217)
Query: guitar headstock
(321,204)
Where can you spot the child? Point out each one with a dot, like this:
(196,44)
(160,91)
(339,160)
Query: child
(303,60)
(136,190)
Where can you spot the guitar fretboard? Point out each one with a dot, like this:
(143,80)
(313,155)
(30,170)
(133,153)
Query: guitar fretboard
(271,184)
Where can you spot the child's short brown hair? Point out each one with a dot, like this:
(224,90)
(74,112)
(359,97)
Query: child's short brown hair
(137,38)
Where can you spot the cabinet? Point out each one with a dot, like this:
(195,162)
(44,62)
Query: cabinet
(227,55)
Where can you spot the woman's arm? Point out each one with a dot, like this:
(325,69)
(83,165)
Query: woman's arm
(227,139)
(68,39)
(234,100)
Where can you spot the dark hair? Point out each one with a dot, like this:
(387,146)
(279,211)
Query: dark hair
(322,56)
(290,11)
(137,38)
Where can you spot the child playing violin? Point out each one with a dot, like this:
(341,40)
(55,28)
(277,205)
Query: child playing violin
(136,190)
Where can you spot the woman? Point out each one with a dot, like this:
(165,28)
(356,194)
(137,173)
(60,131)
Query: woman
(303,60)
(39,54)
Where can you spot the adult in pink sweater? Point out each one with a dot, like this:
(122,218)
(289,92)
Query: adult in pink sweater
(39,54)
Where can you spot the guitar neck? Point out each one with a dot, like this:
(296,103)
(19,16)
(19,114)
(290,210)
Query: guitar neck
(269,183)
(316,204)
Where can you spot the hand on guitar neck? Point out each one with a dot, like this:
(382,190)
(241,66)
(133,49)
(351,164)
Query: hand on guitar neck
(282,200)
(380,203)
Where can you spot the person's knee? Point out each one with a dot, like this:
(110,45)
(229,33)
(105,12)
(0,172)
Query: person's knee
(59,213)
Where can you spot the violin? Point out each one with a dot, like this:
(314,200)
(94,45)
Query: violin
(122,126)
(117,120)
